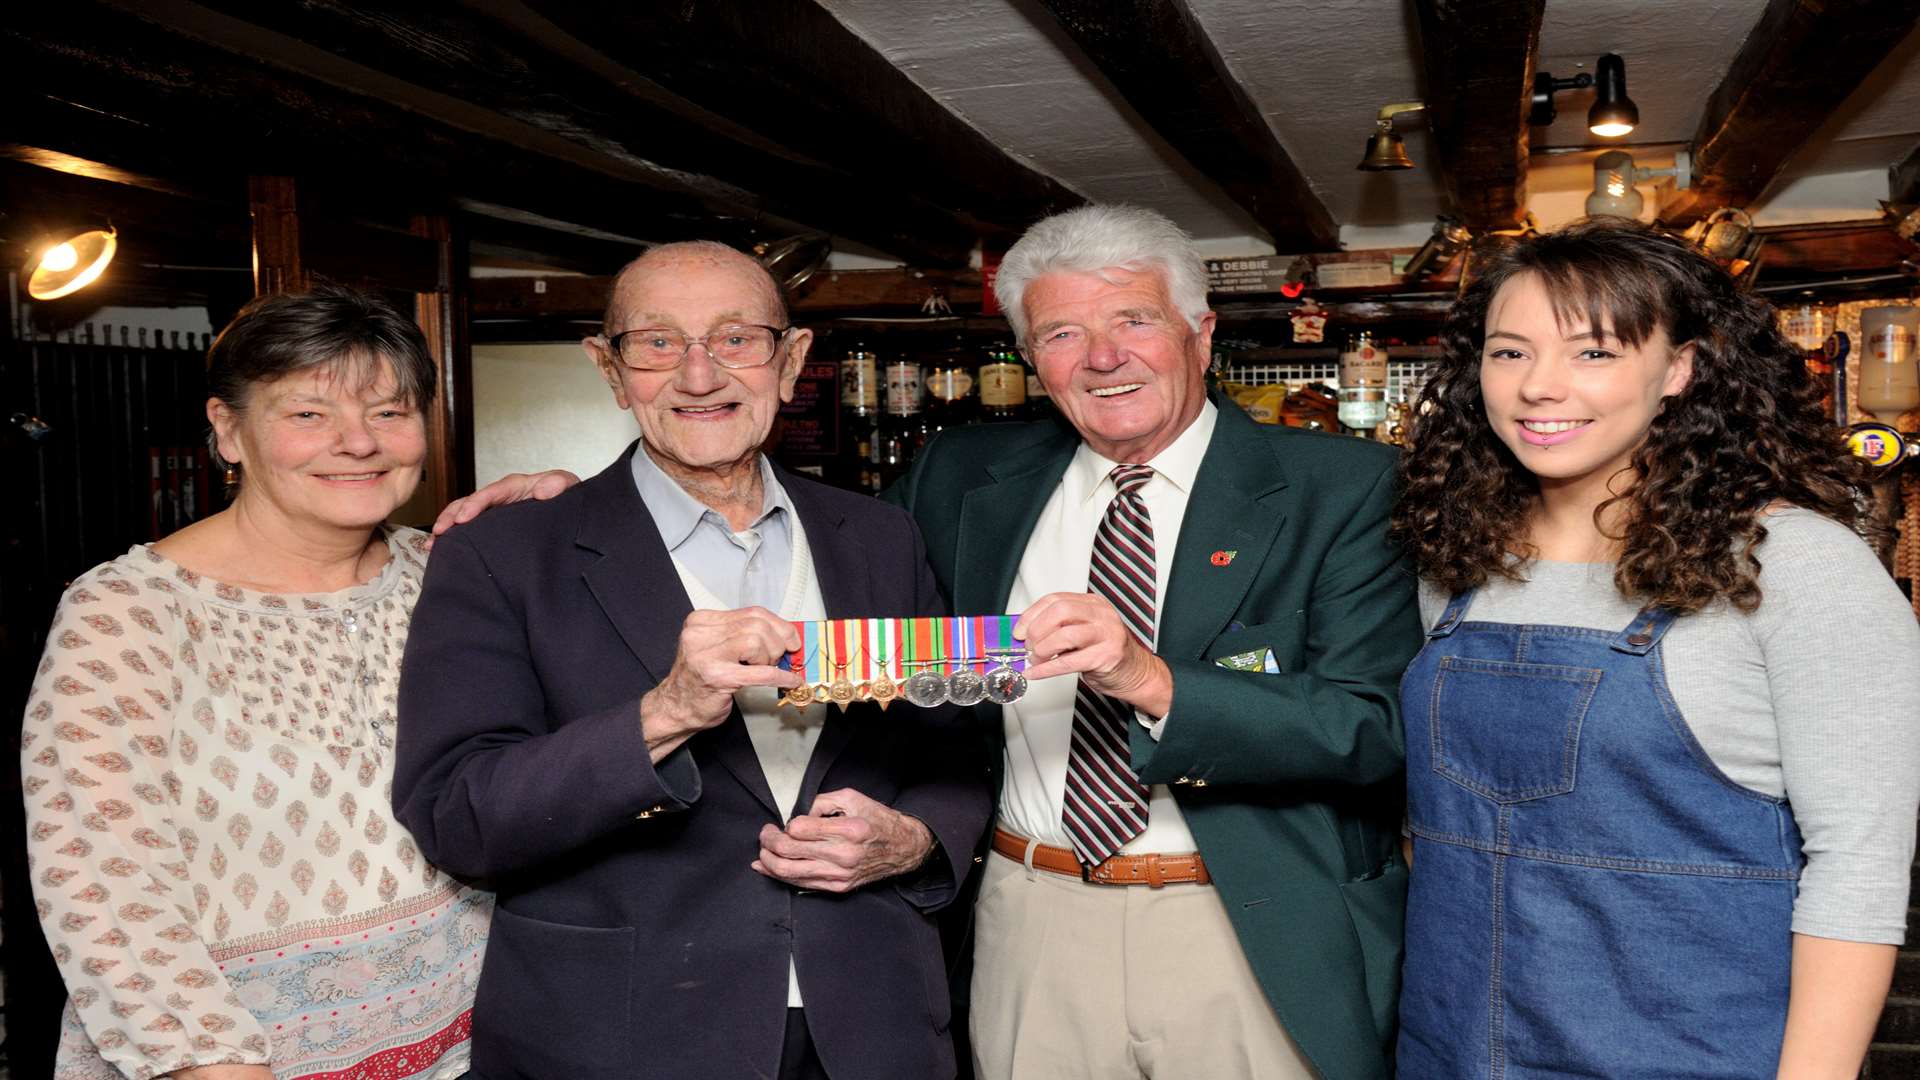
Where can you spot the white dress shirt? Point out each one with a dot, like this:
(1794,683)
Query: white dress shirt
(1040,725)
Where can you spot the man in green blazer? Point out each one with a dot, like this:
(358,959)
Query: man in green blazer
(1196,869)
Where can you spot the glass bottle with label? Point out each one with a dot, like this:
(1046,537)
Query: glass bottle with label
(860,414)
(902,426)
(1889,366)
(1003,385)
(1040,404)
(951,397)
(1363,384)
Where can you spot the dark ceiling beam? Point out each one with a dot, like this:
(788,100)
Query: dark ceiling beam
(230,113)
(1480,58)
(1903,180)
(471,62)
(1800,62)
(789,70)
(1161,61)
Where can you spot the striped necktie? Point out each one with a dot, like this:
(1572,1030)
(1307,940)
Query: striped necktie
(1106,805)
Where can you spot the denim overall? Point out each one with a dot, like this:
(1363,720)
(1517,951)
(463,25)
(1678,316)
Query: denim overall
(1590,896)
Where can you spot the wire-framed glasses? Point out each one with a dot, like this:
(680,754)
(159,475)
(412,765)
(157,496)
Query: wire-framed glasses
(657,348)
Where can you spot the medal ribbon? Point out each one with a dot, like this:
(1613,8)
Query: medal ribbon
(838,660)
(862,633)
(810,645)
(977,631)
(796,661)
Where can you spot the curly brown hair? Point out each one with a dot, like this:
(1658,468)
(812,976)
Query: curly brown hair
(1748,431)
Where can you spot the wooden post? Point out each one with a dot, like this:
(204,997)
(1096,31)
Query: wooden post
(276,235)
(443,314)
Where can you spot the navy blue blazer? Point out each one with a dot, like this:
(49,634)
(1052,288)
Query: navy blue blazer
(631,938)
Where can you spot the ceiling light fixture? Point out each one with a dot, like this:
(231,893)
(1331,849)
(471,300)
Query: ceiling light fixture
(64,267)
(1386,150)
(1614,177)
(1613,114)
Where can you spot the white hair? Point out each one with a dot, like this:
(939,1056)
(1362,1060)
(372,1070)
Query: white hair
(1104,237)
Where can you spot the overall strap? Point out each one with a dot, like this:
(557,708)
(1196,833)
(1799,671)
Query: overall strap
(1450,618)
(1644,632)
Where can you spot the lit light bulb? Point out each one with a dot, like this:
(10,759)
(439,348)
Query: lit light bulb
(60,258)
(1611,130)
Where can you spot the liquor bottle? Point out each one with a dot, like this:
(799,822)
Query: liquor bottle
(1040,404)
(860,415)
(1363,384)
(951,400)
(1003,385)
(1807,326)
(902,426)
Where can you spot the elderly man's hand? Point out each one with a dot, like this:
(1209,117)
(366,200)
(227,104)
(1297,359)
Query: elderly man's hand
(511,488)
(1083,634)
(846,841)
(720,652)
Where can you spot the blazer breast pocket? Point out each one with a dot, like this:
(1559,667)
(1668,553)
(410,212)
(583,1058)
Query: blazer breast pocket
(1274,647)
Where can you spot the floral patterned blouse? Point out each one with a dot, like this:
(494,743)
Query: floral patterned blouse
(208,773)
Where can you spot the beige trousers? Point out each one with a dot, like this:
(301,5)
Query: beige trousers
(1104,982)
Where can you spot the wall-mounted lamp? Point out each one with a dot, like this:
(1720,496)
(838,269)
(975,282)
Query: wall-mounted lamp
(61,267)
(1448,240)
(1386,150)
(1613,113)
(1614,175)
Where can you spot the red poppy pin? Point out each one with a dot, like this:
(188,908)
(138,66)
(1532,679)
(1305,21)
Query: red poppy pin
(1224,558)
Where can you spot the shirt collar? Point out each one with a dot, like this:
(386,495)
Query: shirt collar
(1178,464)
(676,513)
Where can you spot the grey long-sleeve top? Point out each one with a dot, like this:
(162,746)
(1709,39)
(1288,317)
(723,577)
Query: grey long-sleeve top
(1815,697)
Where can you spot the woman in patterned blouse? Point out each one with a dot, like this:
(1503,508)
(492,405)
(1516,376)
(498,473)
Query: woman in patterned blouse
(208,747)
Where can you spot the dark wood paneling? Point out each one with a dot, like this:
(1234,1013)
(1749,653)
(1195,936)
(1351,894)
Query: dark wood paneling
(1800,62)
(789,70)
(229,111)
(1158,57)
(465,68)
(1480,62)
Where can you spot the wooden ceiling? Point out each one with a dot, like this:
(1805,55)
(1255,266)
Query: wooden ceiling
(569,132)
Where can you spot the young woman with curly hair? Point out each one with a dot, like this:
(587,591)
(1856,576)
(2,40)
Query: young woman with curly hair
(1662,764)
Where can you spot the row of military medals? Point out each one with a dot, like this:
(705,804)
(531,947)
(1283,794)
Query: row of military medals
(964,659)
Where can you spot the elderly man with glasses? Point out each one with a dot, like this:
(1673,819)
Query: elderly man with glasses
(692,880)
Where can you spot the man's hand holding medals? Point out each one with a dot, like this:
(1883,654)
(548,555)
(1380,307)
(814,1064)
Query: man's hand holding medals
(719,652)
(929,662)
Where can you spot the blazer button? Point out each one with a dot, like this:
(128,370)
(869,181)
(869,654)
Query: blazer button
(978,859)
(1199,783)
(645,814)
(1183,779)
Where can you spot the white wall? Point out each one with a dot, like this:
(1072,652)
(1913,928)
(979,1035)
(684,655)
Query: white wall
(543,407)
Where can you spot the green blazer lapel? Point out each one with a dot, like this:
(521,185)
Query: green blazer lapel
(996,520)
(1233,515)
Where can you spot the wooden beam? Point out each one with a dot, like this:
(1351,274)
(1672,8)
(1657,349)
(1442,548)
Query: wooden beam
(830,293)
(1480,58)
(1903,180)
(792,71)
(469,70)
(276,235)
(1801,61)
(236,114)
(1833,248)
(1161,61)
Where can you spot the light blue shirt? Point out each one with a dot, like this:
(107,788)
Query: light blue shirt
(744,569)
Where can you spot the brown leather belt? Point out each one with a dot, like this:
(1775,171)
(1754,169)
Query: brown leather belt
(1153,870)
